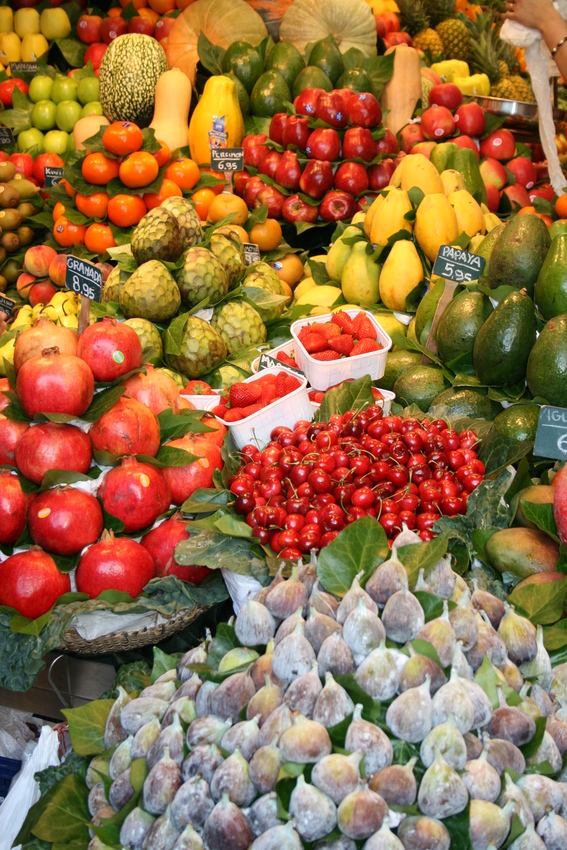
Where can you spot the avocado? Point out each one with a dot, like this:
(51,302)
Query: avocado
(518,421)
(502,345)
(245,63)
(420,385)
(551,285)
(356,79)
(426,311)
(485,250)
(519,253)
(311,78)
(285,58)
(396,363)
(522,551)
(460,323)
(537,494)
(269,95)
(547,363)
(327,56)
(463,401)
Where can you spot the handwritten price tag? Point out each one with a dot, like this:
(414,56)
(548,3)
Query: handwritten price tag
(227,160)
(84,278)
(458,265)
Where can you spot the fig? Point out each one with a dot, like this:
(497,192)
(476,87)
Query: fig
(244,735)
(134,829)
(335,657)
(287,596)
(204,759)
(557,728)
(559,682)
(97,798)
(402,617)
(447,740)
(464,621)
(232,695)
(442,793)
(288,625)
(502,754)
(162,834)
(96,771)
(337,775)
(441,578)
(305,742)
(519,635)
(265,767)
(390,577)
(474,746)
(302,694)
(121,758)
(370,740)
(362,631)
(350,600)
(260,596)
(293,656)
(541,698)
(361,813)
(547,752)
(384,839)
(204,698)
(171,738)
(227,826)
(197,655)
(529,840)
(140,711)
(511,723)
(263,813)
(396,784)
(513,794)
(161,785)
(542,793)
(318,627)
(184,708)
(482,780)
(114,731)
(283,837)
(460,663)
(121,791)
(417,668)
(160,690)
(488,643)
(378,674)
(314,813)
(192,803)
(421,584)
(489,823)
(342,843)
(333,704)
(233,777)
(409,716)
(480,702)
(539,668)
(439,632)
(323,602)
(553,829)
(453,698)
(207,729)
(307,574)
(189,840)
(422,833)
(254,624)
(279,720)
(490,604)
(512,675)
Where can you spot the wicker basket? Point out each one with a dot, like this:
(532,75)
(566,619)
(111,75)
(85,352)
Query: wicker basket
(121,641)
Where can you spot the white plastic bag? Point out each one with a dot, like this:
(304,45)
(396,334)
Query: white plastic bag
(240,588)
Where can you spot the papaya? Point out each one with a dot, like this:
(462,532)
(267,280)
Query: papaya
(419,172)
(441,154)
(435,224)
(522,551)
(519,253)
(389,217)
(550,289)
(220,97)
(502,345)
(401,273)
(373,209)
(452,181)
(470,219)
(537,494)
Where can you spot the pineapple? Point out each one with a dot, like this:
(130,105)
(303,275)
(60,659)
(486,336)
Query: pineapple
(490,55)
(522,89)
(454,34)
(440,10)
(428,40)
(414,18)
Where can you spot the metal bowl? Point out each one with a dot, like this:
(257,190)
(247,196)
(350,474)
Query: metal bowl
(519,114)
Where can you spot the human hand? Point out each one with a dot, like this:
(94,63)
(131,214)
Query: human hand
(531,13)
(3,321)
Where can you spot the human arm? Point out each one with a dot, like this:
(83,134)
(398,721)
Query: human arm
(543,16)
(3,325)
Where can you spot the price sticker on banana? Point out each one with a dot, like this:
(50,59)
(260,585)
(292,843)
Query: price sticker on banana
(227,160)
(458,265)
(551,434)
(84,278)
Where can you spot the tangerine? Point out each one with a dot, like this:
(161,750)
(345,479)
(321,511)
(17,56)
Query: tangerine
(98,237)
(561,206)
(168,189)
(126,210)
(266,234)
(139,169)
(162,7)
(99,169)
(122,137)
(202,199)
(58,210)
(184,172)
(227,204)
(163,155)
(66,233)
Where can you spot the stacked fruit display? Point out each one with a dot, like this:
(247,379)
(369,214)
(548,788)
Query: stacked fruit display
(18,203)
(25,35)
(245,399)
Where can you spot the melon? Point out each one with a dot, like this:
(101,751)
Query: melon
(350,22)
(129,71)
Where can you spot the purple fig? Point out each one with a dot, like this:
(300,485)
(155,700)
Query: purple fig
(254,624)
(442,793)
(162,834)
(542,794)
(482,780)
(189,840)
(121,791)
(335,657)
(265,767)
(283,837)
(288,625)
(97,798)
(204,698)
(489,823)
(417,668)
(264,701)
(490,604)
(208,729)
(378,674)
(318,627)
(160,690)
(197,655)
(362,631)
(227,826)
(396,784)
(370,740)
(361,813)
(244,735)
(422,833)
(439,632)
(502,754)
(232,695)
(389,578)
(171,738)
(204,760)
(337,775)
(333,704)
(263,813)
(287,596)
(293,656)
(190,688)
(447,740)
(140,711)
(511,723)
(302,694)
(114,732)
(275,724)
(323,602)
(121,758)
(134,829)
(161,785)
(233,777)
(409,716)
(453,698)
(350,601)
(192,803)
(402,617)
(553,829)
(314,813)
(305,742)
(519,635)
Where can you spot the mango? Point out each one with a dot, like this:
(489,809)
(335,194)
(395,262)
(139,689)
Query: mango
(452,181)
(360,276)
(470,219)
(435,224)
(320,296)
(538,494)
(339,253)
(401,273)
(421,173)
(372,210)
(522,551)
(389,218)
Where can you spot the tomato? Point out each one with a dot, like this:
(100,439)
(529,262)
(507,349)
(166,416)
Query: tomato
(126,210)
(98,238)
(122,137)
(99,169)
(184,172)
(66,234)
(93,206)
(169,189)
(138,169)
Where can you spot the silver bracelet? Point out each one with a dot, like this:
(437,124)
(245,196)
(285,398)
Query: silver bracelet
(558,45)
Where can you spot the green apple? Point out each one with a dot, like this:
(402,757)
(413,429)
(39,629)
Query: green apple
(67,114)
(93,108)
(71,142)
(29,139)
(40,88)
(87,90)
(64,88)
(54,23)
(56,141)
(43,115)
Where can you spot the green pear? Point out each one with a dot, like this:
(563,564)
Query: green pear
(339,253)
(359,280)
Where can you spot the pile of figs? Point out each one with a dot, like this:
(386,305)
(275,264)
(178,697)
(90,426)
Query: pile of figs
(220,748)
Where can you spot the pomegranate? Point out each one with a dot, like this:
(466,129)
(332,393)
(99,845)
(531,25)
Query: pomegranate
(114,564)
(136,493)
(155,389)
(215,436)
(128,428)
(4,388)
(10,434)
(13,507)
(110,348)
(161,542)
(55,383)
(64,520)
(44,334)
(49,445)
(31,583)
(184,480)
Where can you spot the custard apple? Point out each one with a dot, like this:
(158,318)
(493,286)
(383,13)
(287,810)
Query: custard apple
(113,284)
(175,376)
(269,284)
(201,349)
(229,251)
(239,324)
(149,336)
(157,237)
(150,293)
(190,228)
(201,276)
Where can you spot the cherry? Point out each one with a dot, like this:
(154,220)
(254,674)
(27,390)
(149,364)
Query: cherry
(309,542)
(425,520)
(409,518)
(420,473)
(398,475)
(468,439)
(297,505)
(391,523)
(376,429)
(294,522)
(328,537)
(451,505)
(471,482)
(321,500)
(363,497)
(379,471)
(244,503)
(287,439)
(360,464)
(343,493)
(325,462)
(326,439)
(298,474)
(242,485)
(354,428)
(262,534)
(305,489)
(390,506)
(291,552)
(275,542)
(312,517)
(320,481)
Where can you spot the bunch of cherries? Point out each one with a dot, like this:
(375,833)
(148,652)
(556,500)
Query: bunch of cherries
(308,484)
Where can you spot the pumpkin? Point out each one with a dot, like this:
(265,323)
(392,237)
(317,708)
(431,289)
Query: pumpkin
(171,110)
(403,89)
(350,22)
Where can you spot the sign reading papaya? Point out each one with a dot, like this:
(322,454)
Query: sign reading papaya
(251,253)
(6,305)
(6,137)
(551,435)
(227,159)
(458,265)
(84,278)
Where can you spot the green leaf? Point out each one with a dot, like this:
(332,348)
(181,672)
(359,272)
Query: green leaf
(205,500)
(488,679)
(542,603)
(217,551)
(176,425)
(25,626)
(371,708)
(224,640)
(361,546)
(210,54)
(173,337)
(102,402)
(318,272)
(521,480)
(66,816)
(555,637)
(424,647)
(517,828)
(422,556)
(432,605)
(56,477)
(233,527)
(531,748)
(73,51)
(350,395)
(480,538)
(459,829)
(86,726)
(162,663)
(380,70)
(171,456)
(542,517)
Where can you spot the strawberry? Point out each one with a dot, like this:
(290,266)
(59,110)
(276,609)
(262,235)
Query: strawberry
(314,342)
(364,347)
(233,415)
(326,329)
(266,380)
(241,394)
(290,384)
(344,321)
(343,344)
(364,327)
(268,394)
(198,388)
(285,359)
(219,410)
(316,396)
(280,385)
(326,355)
(252,408)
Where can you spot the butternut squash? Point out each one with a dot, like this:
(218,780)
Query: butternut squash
(402,92)
(171,111)
(87,127)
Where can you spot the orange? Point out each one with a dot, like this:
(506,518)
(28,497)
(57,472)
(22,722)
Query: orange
(99,169)
(527,211)
(163,155)
(149,14)
(66,234)
(139,169)
(561,206)
(222,182)
(138,4)
(162,7)
(93,206)
(122,137)
(227,204)
(126,210)
(69,189)
(184,172)
(182,4)
(547,220)
(58,210)
(202,199)
(168,189)
(98,237)
(266,234)
(289,269)
(288,291)
(114,12)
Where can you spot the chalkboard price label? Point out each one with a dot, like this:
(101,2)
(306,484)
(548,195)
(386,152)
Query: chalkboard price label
(227,160)
(251,253)
(52,176)
(551,435)
(267,362)
(84,278)
(7,305)
(23,67)
(458,265)
(6,137)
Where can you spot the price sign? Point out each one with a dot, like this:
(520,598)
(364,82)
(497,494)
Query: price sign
(6,137)
(458,265)
(251,253)
(23,67)
(52,176)
(84,278)
(551,435)
(227,160)
(267,361)
(6,305)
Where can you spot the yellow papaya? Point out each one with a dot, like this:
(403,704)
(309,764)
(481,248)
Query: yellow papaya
(491,221)
(389,218)
(372,209)
(217,121)
(396,178)
(435,224)
(401,273)
(420,171)
(470,219)
(452,181)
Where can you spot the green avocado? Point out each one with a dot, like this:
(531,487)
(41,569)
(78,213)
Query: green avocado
(485,250)
(396,363)
(547,363)
(245,62)
(286,59)
(518,421)
(269,95)
(356,80)
(460,323)
(551,285)
(327,56)
(463,401)
(519,253)
(420,385)
(503,344)
(311,78)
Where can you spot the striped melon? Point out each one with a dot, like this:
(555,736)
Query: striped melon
(128,74)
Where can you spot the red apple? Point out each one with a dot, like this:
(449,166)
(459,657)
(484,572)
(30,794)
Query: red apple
(379,175)
(270,163)
(543,190)
(380,26)
(471,119)
(387,144)
(271,198)
(517,195)
(163,27)
(358,143)
(445,94)
(277,125)
(492,197)
(332,109)
(493,172)
(51,160)
(94,54)
(424,148)
(523,170)
(337,206)
(430,75)
(306,102)
(392,21)
(410,135)
(239,181)
(316,179)
(251,190)
(542,170)
(352,177)
(499,145)
(467,142)
(538,154)
(254,149)
(288,171)
(23,163)
(296,132)
(324,143)
(6,89)
(437,123)
(144,26)
(392,39)
(111,28)
(88,28)
(364,110)
(296,209)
